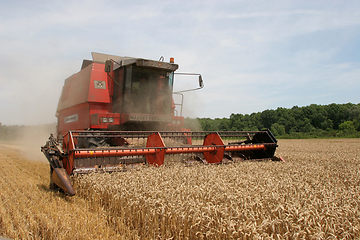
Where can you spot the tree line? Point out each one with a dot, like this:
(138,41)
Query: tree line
(333,120)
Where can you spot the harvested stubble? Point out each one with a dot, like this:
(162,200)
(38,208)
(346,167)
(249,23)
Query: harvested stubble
(314,195)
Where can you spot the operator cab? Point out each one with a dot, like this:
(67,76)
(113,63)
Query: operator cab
(142,91)
(147,90)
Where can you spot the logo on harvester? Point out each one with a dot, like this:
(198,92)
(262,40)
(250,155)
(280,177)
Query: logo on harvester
(149,118)
(99,84)
(72,118)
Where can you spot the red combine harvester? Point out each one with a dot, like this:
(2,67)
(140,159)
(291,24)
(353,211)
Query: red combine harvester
(113,100)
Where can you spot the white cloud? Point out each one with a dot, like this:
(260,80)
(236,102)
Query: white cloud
(252,55)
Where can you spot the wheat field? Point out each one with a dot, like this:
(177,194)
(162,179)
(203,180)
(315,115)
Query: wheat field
(314,195)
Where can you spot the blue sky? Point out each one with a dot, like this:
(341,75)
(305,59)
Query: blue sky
(253,55)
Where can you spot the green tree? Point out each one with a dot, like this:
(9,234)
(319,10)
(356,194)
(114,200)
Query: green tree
(354,115)
(307,127)
(314,120)
(224,124)
(277,129)
(268,118)
(347,127)
(338,113)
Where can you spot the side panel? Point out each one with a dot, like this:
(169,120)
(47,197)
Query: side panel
(75,90)
(74,118)
(68,145)
(83,94)
(98,85)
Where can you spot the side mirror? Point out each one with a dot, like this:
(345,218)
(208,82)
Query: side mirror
(201,83)
(108,66)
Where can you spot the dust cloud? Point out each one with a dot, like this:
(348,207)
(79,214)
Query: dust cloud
(192,107)
(28,139)
(192,124)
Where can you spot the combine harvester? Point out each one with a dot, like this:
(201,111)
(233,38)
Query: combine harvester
(114,100)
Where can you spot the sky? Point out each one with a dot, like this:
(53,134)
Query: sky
(252,55)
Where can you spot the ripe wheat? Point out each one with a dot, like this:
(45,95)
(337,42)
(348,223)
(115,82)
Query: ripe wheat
(314,195)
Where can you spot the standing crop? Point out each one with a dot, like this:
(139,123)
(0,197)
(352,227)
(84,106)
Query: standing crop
(314,195)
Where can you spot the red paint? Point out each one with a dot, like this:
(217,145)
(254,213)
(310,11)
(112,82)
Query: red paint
(87,96)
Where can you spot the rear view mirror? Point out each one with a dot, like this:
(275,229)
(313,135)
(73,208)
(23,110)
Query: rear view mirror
(108,65)
(201,83)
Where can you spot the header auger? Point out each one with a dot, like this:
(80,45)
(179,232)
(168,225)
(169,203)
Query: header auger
(115,100)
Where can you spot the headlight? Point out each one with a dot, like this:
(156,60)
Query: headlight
(176,122)
(111,120)
(105,120)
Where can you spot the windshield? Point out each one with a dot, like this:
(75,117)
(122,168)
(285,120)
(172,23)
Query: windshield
(149,90)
